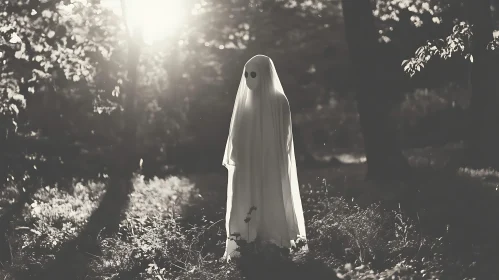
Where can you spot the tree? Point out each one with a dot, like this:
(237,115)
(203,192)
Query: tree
(483,139)
(384,158)
(37,56)
(474,41)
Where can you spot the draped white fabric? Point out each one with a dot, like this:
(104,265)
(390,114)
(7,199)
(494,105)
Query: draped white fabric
(259,156)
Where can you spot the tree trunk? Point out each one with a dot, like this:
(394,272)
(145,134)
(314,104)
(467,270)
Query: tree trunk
(384,158)
(75,255)
(483,141)
(109,213)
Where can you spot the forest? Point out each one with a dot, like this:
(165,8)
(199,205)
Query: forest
(115,115)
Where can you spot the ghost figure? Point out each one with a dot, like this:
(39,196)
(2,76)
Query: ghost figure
(263,198)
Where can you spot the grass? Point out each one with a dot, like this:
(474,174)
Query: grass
(442,226)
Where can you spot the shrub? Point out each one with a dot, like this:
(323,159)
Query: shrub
(157,240)
(54,218)
(152,241)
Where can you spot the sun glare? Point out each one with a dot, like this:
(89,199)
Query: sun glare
(159,19)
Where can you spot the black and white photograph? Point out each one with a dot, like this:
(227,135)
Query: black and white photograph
(249,139)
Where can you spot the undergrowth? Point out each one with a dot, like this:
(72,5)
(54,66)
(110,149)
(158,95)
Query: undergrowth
(156,241)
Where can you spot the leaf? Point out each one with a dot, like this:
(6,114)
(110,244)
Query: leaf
(18,54)
(407,66)
(14,124)
(14,39)
(471,58)
(13,108)
(419,51)
(116,91)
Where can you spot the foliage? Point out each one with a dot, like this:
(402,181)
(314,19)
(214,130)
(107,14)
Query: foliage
(62,82)
(154,240)
(63,77)
(51,54)
(52,219)
(456,43)
(418,12)
(64,70)
(261,251)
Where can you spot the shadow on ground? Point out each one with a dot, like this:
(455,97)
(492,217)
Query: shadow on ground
(464,210)
(461,206)
(291,270)
(72,260)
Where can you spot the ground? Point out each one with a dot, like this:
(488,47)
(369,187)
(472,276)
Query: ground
(441,224)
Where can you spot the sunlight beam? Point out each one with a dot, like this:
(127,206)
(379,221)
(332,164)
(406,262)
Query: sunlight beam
(159,19)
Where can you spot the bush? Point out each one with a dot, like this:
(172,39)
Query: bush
(156,239)
(150,236)
(379,242)
(54,218)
